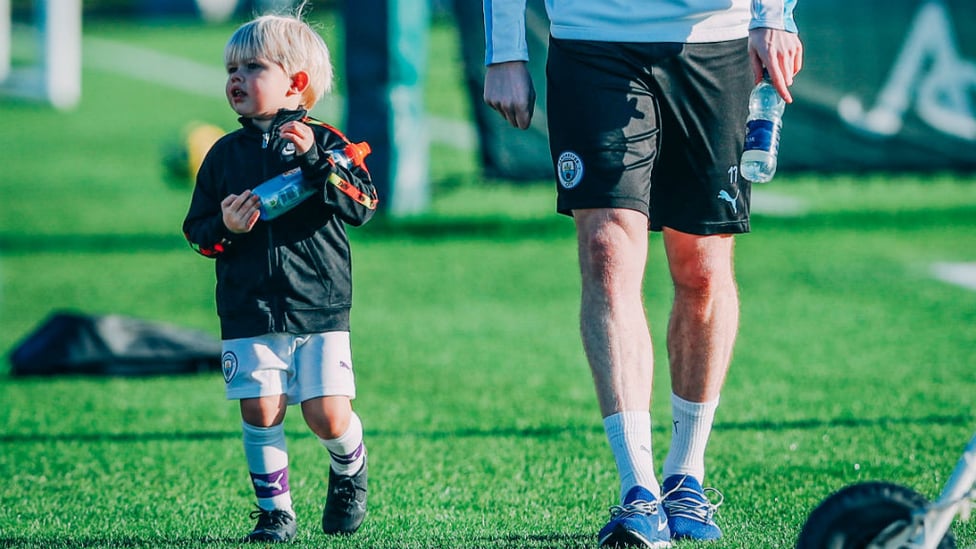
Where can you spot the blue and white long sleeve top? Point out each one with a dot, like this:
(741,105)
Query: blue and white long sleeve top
(686,21)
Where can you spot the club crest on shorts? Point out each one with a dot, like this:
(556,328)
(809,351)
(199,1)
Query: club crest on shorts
(570,169)
(228,364)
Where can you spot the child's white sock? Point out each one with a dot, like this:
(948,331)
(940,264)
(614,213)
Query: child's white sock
(692,426)
(629,434)
(347,451)
(267,460)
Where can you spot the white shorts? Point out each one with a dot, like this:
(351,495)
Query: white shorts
(299,366)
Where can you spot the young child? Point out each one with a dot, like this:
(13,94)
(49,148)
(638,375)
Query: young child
(284,284)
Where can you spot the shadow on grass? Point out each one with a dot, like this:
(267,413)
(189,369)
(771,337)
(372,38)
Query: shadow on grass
(852,422)
(543,432)
(86,243)
(871,220)
(424,228)
(539,541)
(549,541)
(436,228)
(128,542)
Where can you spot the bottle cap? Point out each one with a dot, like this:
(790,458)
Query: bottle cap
(357,152)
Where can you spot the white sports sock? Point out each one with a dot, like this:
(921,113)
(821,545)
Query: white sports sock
(347,451)
(692,426)
(629,434)
(267,460)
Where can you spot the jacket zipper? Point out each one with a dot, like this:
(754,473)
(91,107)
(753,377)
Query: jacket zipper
(277,314)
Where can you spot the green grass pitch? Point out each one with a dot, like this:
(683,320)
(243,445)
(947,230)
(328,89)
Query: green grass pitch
(854,362)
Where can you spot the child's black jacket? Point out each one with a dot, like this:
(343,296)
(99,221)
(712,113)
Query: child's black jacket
(293,273)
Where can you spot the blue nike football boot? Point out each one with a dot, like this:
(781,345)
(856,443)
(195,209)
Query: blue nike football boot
(638,522)
(690,513)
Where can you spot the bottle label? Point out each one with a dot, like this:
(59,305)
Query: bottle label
(762,135)
(282,193)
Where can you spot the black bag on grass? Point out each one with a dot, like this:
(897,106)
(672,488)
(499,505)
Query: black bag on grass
(73,343)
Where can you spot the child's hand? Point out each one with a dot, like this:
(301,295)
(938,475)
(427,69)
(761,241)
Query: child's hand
(240,211)
(299,134)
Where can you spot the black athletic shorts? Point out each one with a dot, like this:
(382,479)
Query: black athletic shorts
(652,127)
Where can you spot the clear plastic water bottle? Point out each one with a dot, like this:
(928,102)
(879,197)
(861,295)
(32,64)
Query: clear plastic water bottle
(758,163)
(283,192)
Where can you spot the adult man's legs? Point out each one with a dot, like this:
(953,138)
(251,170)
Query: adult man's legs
(701,333)
(705,314)
(612,256)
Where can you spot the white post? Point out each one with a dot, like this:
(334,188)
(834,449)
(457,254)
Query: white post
(60,23)
(4,39)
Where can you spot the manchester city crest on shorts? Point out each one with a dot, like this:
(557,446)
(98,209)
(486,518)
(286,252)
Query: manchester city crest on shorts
(570,169)
(228,364)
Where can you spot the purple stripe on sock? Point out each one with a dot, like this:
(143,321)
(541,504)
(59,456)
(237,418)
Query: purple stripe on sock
(267,485)
(348,458)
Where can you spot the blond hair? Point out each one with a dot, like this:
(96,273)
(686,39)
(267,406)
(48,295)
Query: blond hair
(290,42)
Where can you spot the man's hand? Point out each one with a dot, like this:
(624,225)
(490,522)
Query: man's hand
(780,53)
(509,90)
(240,212)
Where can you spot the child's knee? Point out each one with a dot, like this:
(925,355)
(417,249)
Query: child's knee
(264,411)
(327,417)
